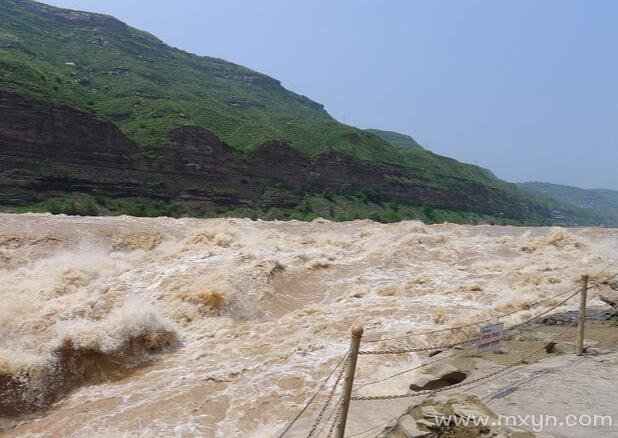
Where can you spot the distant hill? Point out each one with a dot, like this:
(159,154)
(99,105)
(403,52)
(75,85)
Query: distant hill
(92,107)
(441,165)
(601,205)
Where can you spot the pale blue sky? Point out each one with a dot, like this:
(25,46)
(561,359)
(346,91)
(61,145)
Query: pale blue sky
(526,88)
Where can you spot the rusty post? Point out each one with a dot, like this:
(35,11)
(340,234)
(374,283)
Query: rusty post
(357,334)
(581,317)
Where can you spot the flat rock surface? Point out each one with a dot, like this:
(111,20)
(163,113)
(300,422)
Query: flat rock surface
(557,386)
(550,385)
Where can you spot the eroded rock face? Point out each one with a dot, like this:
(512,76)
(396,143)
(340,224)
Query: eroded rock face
(457,415)
(58,151)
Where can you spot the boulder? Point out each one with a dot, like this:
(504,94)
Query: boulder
(430,411)
(438,376)
(429,424)
(560,319)
(503,350)
(567,347)
(560,348)
(466,411)
(429,419)
(409,428)
(610,297)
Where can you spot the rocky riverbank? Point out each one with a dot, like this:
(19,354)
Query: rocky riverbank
(551,392)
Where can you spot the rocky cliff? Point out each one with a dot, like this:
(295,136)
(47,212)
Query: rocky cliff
(57,151)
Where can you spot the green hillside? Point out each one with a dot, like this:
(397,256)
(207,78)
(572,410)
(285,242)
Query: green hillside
(437,165)
(601,205)
(97,64)
(398,140)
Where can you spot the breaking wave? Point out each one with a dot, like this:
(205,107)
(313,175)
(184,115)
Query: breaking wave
(82,351)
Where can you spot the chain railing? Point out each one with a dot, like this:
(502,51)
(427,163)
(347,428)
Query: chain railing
(347,364)
(329,399)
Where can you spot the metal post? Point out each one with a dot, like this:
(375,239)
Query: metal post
(357,334)
(582,315)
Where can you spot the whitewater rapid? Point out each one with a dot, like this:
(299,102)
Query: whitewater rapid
(224,327)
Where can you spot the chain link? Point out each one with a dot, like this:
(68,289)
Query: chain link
(497,317)
(313,397)
(417,350)
(338,408)
(421,349)
(336,420)
(329,399)
(470,382)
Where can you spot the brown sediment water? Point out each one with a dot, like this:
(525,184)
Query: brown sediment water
(224,327)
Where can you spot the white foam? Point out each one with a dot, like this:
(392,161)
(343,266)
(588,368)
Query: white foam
(262,309)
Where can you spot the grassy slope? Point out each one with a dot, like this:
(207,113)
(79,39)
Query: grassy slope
(600,204)
(421,157)
(398,140)
(148,88)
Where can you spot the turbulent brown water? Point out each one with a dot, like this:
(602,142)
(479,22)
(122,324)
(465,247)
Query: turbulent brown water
(163,327)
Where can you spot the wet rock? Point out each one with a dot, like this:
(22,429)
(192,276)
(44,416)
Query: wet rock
(438,376)
(503,350)
(431,411)
(465,411)
(431,419)
(427,423)
(560,348)
(593,314)
(409,428)
(567,347)
(560,319)
(610,297)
